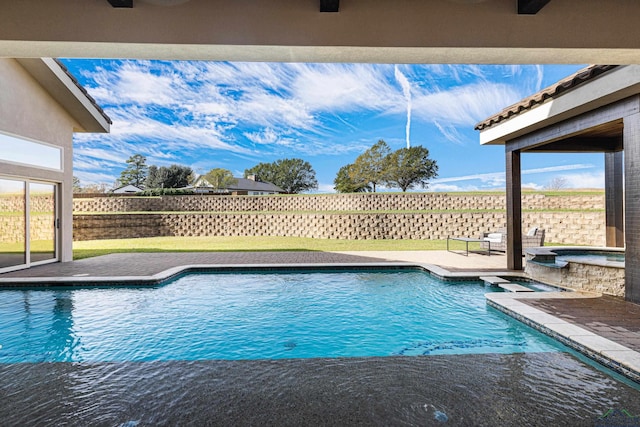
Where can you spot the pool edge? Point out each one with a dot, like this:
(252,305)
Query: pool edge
(175,272)
(608,353)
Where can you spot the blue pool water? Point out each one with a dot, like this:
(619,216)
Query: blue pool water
(589,256)
(260,316)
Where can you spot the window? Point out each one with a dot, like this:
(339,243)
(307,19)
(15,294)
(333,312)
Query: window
(18,150)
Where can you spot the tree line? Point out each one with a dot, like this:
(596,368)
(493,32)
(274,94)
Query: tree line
(291,175)
(404,168)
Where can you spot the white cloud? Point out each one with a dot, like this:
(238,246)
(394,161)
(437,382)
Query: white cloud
(450,133)
(271,110)
(498,179)
(557,168)
(138,85)
(344,87)
(484,177)
(464,105)
(98,157)
(584,180)
(265,136)
(532,186)
(88,178)
(325,188)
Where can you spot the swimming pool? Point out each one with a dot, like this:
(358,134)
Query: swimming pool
(136,361)
(249,316)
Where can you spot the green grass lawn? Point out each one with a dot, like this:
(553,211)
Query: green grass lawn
(90,248)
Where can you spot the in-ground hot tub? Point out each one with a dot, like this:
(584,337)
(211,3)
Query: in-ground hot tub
(594,269)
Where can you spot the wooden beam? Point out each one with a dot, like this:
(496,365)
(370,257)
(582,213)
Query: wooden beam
(121,3)
(329,5)
(632,208)
(614,198)
(581,144)
(576,125)
(514,211)
(531,7)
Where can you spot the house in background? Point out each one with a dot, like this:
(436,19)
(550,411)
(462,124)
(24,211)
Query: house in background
(251,186)
(127,189)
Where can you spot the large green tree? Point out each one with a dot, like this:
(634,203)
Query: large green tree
(136,171)
(370,167)
(220,178)
(292,175)
(174,176)
(408,167)
(343,183)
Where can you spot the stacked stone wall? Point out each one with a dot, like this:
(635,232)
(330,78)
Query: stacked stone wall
(332,203)
(12,228)
(17,203)
(12,218)
(339,216)
(581,277)
(580,228)
(99,227)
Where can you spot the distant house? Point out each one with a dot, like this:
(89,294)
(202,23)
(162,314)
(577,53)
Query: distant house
(251,186)
(127,189)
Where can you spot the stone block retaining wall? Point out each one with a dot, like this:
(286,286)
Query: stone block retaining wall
(580,228)
(12,228)
(17,203)
(332,202)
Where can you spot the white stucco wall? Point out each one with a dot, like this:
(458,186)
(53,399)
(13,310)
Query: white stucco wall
(27,110)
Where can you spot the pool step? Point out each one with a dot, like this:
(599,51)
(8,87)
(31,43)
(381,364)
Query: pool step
(493,280)
(514,287)
(504,284)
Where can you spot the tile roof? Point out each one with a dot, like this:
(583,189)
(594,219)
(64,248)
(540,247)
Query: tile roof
(83,90)
(553,91)
(245,184)
(251,185)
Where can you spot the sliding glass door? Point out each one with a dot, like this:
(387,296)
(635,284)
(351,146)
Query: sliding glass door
(13,243)
(42,222)
(28,227)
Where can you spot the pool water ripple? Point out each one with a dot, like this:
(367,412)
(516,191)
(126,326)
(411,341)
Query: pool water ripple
(260,316)
(524,389)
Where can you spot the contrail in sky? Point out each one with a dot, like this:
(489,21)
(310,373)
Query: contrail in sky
(406,89)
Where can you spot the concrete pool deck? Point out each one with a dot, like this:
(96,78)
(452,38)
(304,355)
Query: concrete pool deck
(605,328)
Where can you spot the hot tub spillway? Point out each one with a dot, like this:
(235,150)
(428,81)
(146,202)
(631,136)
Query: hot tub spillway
(544,257)
(564,267)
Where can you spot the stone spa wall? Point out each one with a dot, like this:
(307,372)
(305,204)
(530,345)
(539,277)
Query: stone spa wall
(376,216)
(578,276)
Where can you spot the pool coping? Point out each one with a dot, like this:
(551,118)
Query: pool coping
(174,272)
(611,354)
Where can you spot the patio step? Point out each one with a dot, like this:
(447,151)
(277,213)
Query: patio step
(514,287)
(493,280)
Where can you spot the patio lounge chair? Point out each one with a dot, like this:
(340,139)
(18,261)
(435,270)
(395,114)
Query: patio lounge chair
(533,238)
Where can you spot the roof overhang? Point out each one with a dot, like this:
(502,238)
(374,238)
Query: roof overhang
(68,93)
(612,86)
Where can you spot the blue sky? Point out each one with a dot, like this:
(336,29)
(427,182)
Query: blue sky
(235,115)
